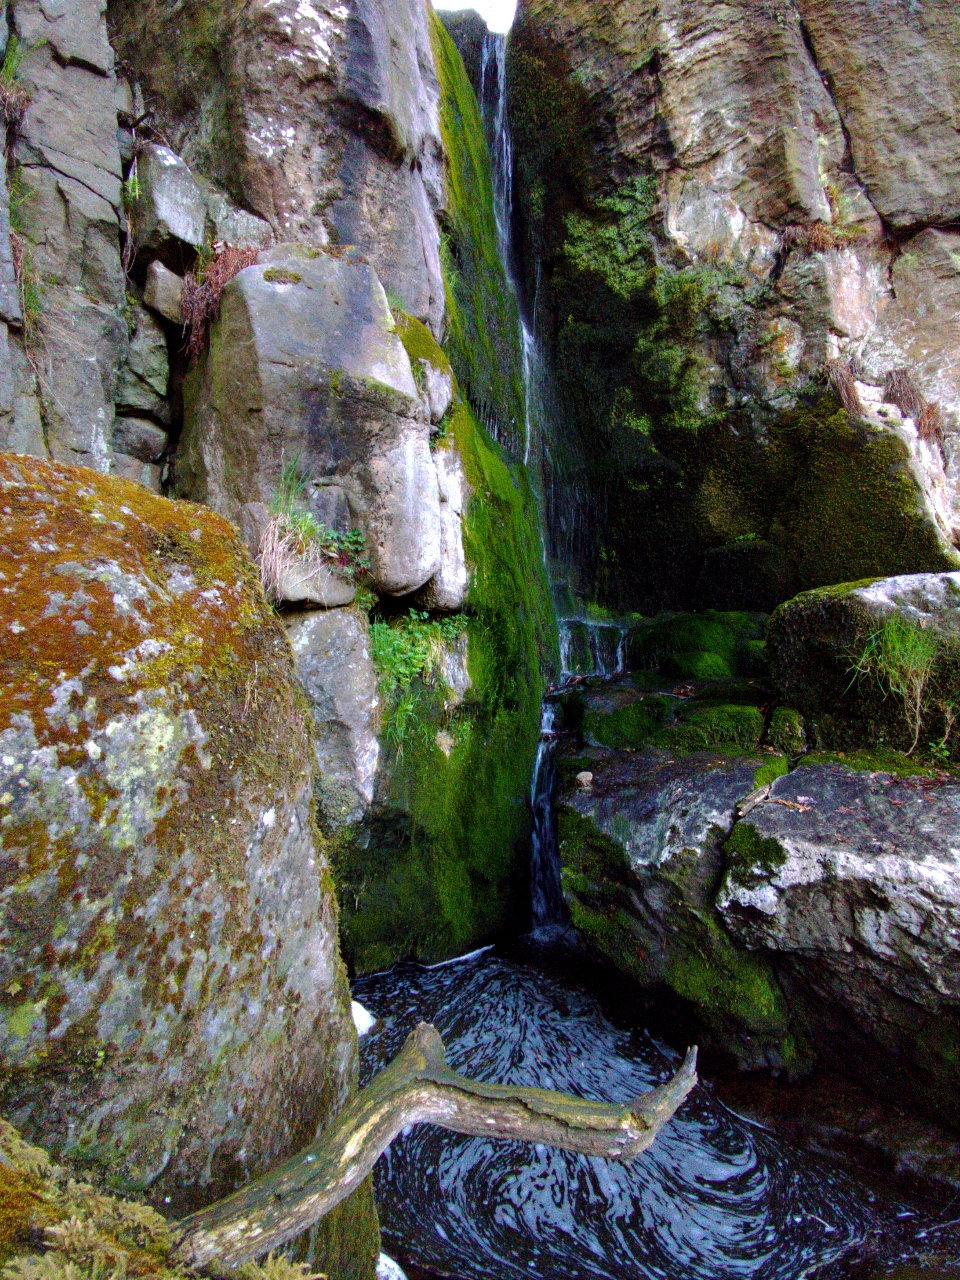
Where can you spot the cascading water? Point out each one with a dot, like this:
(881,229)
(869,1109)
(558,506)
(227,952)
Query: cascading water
(592,648)
(549,916)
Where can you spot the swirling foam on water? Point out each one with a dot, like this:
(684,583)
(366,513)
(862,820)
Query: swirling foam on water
(715,1198)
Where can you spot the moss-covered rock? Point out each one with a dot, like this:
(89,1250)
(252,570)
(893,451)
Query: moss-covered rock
(174,1010)
(843,878)
(698,646)
(874,664)
(439,866)
(642,855)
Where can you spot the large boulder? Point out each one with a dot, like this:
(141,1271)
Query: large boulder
(873,663)
(849,881)
(175,1011)
(304,365)
(328,131)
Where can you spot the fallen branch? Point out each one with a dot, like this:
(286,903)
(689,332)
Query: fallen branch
(416,1088)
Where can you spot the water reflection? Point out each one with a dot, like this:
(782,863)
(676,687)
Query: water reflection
(715,1198)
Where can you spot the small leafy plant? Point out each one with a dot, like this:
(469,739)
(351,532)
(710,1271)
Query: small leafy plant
(295,537)
(406,650)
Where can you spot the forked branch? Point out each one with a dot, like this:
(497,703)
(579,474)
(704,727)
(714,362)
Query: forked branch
(416,1088)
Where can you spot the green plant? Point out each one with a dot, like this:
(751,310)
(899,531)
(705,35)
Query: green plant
(406,650)
(903,659)
(14,97)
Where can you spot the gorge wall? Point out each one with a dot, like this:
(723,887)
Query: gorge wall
(738,230)
(277,623)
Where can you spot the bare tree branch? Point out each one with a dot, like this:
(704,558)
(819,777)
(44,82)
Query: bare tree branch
(416,1088)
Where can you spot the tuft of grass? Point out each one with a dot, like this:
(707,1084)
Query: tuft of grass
(14,96)
(903,659)
(204,286)
(819,237)
(840,375)
(902,390)
(295,538)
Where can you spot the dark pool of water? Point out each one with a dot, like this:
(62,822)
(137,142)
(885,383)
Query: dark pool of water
(716,1198)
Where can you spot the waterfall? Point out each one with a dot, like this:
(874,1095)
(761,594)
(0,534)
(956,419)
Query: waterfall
(549,914)
(592,648)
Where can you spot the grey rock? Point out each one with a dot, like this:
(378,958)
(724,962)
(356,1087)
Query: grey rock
(331,506)
(899,110)
(231,225)
(447,589)
(253,521)
(74,29)
(306,582)
(139,438)
(197,885)
(331,383)
(169,210)
(144,374)
(437,390)
(143,473)
(10,309)
(333,121)
(70,173)
(853,880)
(334,665)
(163,292)
(642,854)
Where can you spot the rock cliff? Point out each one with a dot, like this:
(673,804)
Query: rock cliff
(739,239)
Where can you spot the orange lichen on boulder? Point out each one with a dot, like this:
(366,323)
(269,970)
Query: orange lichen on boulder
(172,1005)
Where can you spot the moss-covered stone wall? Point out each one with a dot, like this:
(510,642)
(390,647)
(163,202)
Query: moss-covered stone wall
(674,480)
(441,865)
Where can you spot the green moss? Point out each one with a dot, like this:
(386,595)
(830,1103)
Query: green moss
(775,768)
(786,731)
(441,873)
(736,727)
(726,982)
(700,646)
(419,342)
(629,726)
(750,858)
(483,327)
(279,275)
(876,761)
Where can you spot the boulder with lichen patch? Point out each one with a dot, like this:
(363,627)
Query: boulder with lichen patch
(174,1010)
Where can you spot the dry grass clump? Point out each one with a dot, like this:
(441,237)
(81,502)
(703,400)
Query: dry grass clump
(819,237)
(840,375)
(901,389)
(204,286)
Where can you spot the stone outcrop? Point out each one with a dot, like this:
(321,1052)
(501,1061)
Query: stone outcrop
(331,115)
(850,880)
(304,364)
(174,1006)
(834,657)
(335,666)
(735,188)
(68,205)
(804,918)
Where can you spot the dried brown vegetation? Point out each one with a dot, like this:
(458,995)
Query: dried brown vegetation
(818,237)
(902,390)
(842,380)
(204,287)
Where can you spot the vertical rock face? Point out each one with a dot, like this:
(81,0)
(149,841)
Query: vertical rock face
(319,117)
(67,178)
(174,1007)
(303,362)
(765,205)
